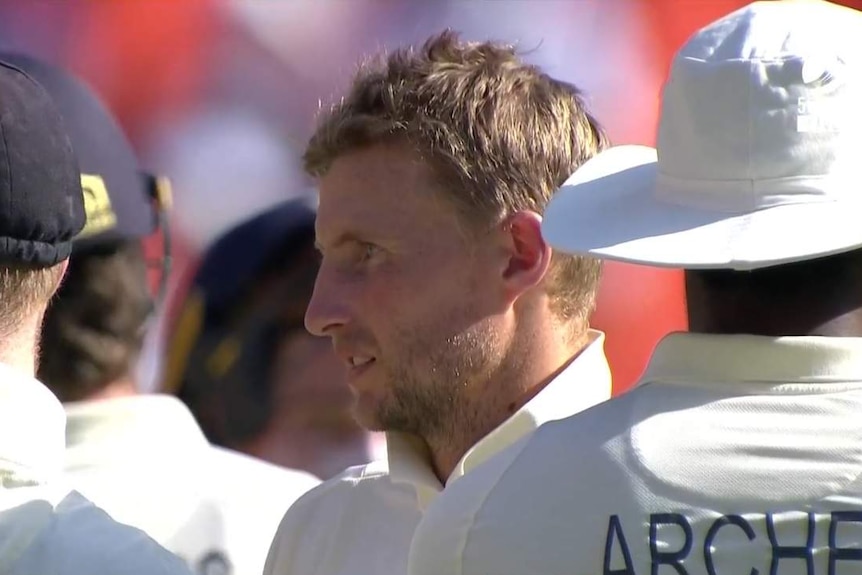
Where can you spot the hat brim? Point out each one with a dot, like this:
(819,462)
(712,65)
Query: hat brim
(609,209)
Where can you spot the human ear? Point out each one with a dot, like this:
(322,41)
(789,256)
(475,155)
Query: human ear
(528,255)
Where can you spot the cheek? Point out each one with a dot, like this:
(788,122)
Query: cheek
(389,291)
(422,294)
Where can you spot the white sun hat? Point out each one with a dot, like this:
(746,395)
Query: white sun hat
(759,158)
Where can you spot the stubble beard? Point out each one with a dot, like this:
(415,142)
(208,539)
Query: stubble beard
(434,392)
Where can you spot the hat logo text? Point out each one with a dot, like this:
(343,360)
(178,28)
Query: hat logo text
(97,205)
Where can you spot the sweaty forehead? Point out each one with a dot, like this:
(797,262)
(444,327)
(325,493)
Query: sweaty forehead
(380,190)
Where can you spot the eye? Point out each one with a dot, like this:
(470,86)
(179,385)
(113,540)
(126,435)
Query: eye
(367,251)
(352,254)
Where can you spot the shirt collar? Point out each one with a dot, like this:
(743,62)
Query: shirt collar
(31,429)
(128,427)
(693,358)
(585,382)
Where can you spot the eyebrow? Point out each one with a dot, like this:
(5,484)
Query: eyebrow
(341,239)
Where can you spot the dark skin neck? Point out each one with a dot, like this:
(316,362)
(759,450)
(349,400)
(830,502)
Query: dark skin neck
(821,297)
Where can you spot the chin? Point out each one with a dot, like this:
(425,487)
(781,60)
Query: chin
(366,412)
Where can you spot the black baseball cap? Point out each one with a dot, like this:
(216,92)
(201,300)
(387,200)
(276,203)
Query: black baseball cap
(119,199)
(41,202)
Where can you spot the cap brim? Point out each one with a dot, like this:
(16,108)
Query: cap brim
(609,209)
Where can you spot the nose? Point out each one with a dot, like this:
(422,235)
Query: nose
(327,309)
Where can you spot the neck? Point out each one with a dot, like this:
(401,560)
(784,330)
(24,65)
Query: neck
(848,325)
(123,387)
(820,297)
(829,318)
(529,370)
(20,350)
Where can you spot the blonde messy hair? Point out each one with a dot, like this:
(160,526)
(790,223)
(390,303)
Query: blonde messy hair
(501,136)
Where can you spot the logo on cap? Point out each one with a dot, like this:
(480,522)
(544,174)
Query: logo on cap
(827,105)
(819,72)
(97,205)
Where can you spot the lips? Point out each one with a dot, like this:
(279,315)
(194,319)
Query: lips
(359,360)
(355,357)
(357,366)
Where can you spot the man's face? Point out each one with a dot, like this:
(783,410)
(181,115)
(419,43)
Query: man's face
(407,300)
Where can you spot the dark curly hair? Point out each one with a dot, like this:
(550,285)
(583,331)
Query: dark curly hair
(94,328)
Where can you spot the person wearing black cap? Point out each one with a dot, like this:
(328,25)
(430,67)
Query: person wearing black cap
(141,457)
(242,361)
(45,527)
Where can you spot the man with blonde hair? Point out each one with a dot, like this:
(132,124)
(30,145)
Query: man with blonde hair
(460,329)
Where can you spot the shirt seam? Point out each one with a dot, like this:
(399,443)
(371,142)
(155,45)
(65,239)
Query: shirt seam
(483,501)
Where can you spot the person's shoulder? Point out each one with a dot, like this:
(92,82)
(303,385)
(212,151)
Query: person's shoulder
(240,479)
(360,488)
(333,517)
(259,471)
(566,443)
(76,536)
(254,492)
(357,481)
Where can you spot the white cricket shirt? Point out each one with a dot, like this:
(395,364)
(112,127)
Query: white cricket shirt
(362,522)
(45,528)
(145,460)
(735,455)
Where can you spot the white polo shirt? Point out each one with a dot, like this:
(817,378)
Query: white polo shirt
(146,461)
(45,527)
(735,455)
(362,522)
